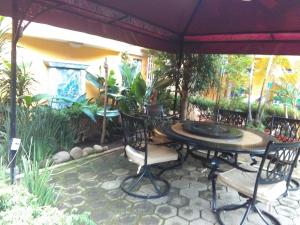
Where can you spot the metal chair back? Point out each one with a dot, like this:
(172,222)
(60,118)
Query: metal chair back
(135,132)
(277,164)
(233,118)
(286,130)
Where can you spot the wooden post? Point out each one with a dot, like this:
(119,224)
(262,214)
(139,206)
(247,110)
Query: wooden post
(105,103)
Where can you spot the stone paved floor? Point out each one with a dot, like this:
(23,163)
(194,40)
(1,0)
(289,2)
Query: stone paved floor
(93,185)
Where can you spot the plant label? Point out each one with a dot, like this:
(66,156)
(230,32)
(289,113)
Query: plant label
(15,145)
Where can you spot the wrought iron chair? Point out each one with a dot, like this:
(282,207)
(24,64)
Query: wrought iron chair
(234,118)
(266,184)
(157,118)
(146,156)
(284,129)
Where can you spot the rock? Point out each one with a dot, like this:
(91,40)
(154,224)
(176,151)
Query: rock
(87,151)
(46,162)
(98,148)
(76,153)
(61,157)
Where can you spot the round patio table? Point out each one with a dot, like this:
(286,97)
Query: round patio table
(219,138)
(249,142)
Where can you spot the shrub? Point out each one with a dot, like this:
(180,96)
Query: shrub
(50,128)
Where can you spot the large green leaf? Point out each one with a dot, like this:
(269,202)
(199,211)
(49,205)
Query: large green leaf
(88,113)
(109,113)
(139,87)
(97,81)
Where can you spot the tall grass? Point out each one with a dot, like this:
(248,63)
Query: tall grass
(37,180)
(50,128)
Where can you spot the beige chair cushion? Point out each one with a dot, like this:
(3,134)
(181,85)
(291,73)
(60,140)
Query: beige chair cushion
(156,154)
(244,182)
(159,138)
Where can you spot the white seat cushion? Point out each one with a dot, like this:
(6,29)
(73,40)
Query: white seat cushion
(156,154)
(244,183)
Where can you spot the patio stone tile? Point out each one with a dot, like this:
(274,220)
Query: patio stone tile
(120,172)
(120,207)
(294,195)
(180,172)
(286,220)
(77,201)
(208,215)
(189,167)
(199,185)
(180,183)
(159,201)
(90,184)
(200,222)
(178,201)
(150,220)
(289,202)
(190,193)
(143,208)
(87,176)
(176,220)
(108,185)
(205,194)
(199,203)
(133,199)
(166,211)
(127,219)
(115,194)
(286,211)
(100,216)
(189,213)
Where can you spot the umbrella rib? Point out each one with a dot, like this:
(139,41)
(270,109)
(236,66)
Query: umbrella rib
(191,18)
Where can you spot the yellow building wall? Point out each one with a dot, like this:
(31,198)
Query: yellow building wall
(37,51)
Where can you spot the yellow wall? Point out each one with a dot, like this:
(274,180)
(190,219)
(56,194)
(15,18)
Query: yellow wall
(38,51)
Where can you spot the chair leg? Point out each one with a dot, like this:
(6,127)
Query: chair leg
(130,183)
(262,215)
(249,204)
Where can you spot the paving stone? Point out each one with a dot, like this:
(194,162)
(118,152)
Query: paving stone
(285,220)
(76,201)
(178,201)
(90,184)
(119,207)
(208,215)
(180,172)
(144,207)
(289,202)
(190,193)
(115,194)
(294,195)
(286,211)
(200,222)
(159,201)
(166,211)
(120,172)
(199,185)
(188,167)
(199,203)
(233,217)
(100,216)
(108,185)
(127,219)
(176,220)
(189,213)
(87,176)
(150,220)
(73,190)
(180,183)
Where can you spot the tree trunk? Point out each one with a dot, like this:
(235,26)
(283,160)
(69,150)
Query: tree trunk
(260,103)
(105,103)
(183,105)
(250,119)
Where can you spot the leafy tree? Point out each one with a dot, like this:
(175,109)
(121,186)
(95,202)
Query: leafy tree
(197,74)
(24,81)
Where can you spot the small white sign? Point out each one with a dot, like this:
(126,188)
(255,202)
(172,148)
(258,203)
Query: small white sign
(15,145)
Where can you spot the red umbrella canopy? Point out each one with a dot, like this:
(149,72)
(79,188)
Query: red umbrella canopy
(203,26)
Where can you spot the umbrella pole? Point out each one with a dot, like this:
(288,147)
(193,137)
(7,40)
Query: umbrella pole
(13,84)
(177,79)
